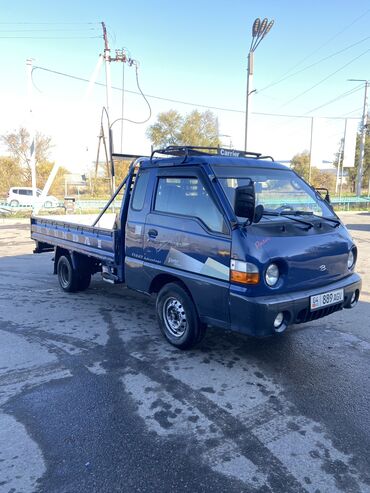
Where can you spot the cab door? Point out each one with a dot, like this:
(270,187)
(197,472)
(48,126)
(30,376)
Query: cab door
(187,235)
(134,231)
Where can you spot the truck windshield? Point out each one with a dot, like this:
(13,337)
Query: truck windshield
(277,190)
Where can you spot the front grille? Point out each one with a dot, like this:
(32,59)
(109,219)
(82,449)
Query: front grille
(307,316)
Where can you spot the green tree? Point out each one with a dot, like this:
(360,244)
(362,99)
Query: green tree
(352,172)
(366,162)
(319,178)
(196,128)
(166,131)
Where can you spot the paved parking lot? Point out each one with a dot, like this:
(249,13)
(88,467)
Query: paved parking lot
(92,399)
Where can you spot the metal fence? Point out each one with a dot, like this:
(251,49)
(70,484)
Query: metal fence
(339,203)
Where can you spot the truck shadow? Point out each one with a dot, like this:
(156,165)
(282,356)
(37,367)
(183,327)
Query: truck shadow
(318,371)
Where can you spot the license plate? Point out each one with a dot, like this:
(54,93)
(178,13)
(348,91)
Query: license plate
(325,299)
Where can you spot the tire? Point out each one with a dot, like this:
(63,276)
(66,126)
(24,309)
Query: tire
(178,318)
(84,281)
(14,203)
(67,275)
(48,204)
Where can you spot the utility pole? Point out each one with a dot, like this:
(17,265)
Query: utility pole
(31,129)
(362,138)
(311,138)
(107,58)
(339,178)
(120,57)
(362,143)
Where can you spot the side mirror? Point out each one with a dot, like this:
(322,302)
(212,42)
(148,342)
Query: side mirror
(327,195)
(245,201)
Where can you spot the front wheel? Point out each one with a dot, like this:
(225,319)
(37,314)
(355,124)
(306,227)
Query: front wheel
(178,318)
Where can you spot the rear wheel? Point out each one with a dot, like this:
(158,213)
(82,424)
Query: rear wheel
(68,277)
(48,204)
(14,203)
(178,318)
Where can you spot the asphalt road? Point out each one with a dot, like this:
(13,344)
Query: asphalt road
(92,399)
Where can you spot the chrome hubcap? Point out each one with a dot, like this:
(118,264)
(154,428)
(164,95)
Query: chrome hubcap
(174,317)
(64,275)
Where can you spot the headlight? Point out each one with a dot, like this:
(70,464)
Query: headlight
(350,260)
(272,274)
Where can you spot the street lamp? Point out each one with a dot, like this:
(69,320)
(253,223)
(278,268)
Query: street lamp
(259,31)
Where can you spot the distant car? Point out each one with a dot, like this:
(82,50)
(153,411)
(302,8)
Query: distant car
(23,196)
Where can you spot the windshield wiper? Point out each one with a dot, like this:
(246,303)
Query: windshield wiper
(309,213)
(289,215)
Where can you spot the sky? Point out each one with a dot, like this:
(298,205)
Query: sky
(194,52)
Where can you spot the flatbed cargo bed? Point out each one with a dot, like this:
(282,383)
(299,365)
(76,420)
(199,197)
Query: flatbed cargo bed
(76,233)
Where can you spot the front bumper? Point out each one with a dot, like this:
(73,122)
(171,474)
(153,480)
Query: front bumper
(255,315)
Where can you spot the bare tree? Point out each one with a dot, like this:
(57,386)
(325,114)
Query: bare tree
(18,145)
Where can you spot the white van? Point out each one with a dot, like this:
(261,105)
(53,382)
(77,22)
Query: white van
(23,196)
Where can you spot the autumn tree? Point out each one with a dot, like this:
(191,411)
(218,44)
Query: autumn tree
(301,164)
(10,174)
(319,178)
(18,146)
(15,169)
(196,128)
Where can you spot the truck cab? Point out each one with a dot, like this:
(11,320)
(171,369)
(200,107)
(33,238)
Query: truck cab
(229,239)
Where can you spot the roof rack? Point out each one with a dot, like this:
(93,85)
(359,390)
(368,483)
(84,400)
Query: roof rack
(128,156)
(206,151)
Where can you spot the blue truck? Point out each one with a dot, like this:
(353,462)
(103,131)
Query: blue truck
(221,237)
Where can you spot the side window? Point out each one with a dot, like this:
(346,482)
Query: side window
(141,184)
(22,191)
(187,196)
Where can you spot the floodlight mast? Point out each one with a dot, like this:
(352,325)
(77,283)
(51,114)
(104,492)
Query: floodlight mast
(259,30)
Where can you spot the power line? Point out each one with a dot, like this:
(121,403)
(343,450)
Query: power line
(46,30)
(322,45)
(47,23)
(187,103)
(137,93)
(324,79)
(341,96)
(312,65)
(50,37)
(353,111)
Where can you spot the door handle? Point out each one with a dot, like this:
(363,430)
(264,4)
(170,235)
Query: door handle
(152,233)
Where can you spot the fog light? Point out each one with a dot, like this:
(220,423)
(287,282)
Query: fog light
(353,299)
(279,319)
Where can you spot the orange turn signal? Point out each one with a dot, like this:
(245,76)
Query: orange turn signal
(244,277)
(244,272)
